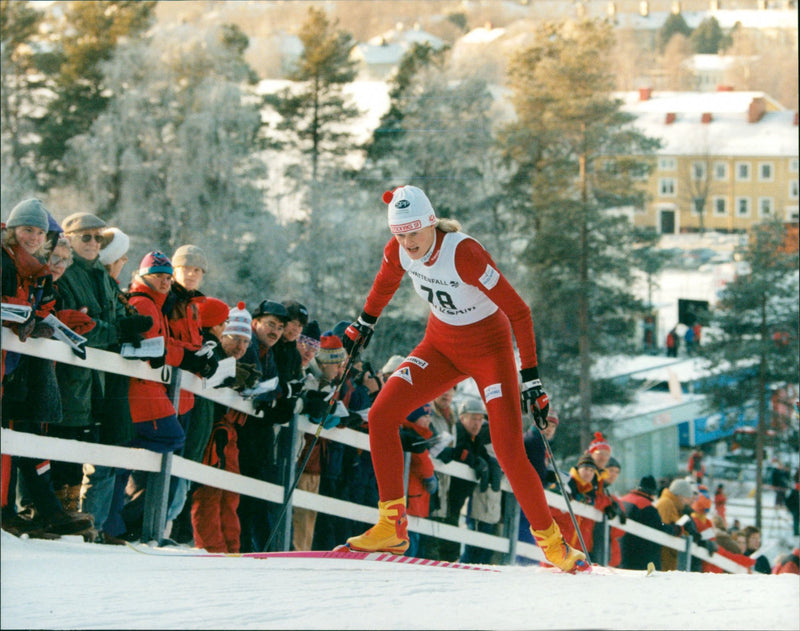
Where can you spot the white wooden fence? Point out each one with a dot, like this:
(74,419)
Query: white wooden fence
(29,445)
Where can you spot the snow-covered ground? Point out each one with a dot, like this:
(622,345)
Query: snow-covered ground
(71,585)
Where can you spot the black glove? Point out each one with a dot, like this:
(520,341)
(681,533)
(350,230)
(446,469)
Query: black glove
(266,400)
(247,376)
(481,468)
(409,438)
(203,365)
(130,328)
(357,335)
(534,398)
(293,388)
(315,404)
(495,474)
(446,455)
(25,329)
(156,362)
(611,511)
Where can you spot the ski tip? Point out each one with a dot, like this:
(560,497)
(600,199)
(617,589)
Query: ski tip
(651,569)
(344,547)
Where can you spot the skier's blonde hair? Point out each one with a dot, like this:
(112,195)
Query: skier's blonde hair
(448,225)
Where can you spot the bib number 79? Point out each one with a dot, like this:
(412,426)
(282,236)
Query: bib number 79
(440,296)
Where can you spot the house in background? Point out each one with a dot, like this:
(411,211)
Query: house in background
(381,55)
(728,161)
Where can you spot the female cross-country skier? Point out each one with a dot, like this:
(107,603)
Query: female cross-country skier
(473,312)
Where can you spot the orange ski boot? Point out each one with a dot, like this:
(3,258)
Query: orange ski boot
(558,551)
(390,534)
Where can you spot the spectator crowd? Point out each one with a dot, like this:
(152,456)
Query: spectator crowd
(286,363)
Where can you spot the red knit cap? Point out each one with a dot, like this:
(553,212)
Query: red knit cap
(599,443)
(212,312)
(331,350)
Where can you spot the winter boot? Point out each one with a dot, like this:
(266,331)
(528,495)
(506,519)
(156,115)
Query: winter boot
(558,552)
(390,534)
(69,523)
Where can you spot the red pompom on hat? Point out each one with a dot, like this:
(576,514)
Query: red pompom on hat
(212,312)
(599,443)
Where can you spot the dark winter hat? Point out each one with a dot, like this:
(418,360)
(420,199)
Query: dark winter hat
(586,461)
(273,308)
(82,221)
(296,311)
(613,462)
(340,328)
(212,312)
(190,256)
(310,334)
(421,411)
(155,263)
(648,485)
(331,350)
(29,212)
(599,443)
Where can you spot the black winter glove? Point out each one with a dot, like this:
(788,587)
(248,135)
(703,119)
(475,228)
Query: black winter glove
(156,362)
(534,399)
(315,404)
(358,334)
(293,388)
(481,468)
(203,365)
(495,475)
(265,400)
(130,328)
(42,330)
(247,376)
(409,438)
(446,455)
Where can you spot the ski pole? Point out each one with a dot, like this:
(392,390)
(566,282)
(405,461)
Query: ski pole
(564,493)
(351,360)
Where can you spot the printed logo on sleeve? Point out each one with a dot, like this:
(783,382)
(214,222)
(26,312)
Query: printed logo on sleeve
(417,361)
(403,373)
(490,277)
(492,392)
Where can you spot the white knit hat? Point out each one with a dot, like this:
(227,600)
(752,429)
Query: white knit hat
(409,209)
(239,322)
(116,245)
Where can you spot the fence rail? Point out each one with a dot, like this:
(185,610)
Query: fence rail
(29,445)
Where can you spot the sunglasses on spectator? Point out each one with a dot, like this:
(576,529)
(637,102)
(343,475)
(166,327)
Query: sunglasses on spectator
(88,237)
(58,260)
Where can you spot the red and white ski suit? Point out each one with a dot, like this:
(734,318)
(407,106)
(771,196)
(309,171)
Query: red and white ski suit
(473,311)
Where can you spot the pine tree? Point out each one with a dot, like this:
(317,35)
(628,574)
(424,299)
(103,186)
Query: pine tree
(171,158)
(577,160)
(753,338)
(674,24)
(89,34)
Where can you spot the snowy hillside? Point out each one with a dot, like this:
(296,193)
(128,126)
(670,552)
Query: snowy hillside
(65,585)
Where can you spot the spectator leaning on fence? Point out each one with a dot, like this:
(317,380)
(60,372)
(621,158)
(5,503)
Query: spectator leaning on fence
(637,551)
(30,395)
(671,506)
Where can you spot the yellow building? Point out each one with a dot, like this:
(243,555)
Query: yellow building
(728,160)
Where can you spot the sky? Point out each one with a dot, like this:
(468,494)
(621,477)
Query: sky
(68,584)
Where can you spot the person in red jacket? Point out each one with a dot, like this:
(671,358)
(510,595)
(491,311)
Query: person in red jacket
(473,311)
(154,417)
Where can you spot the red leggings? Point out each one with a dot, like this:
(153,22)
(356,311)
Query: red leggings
(446,356)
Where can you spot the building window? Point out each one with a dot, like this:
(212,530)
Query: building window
(720,206)
(698,170)
(794,192)
(666,186)
(793,165)
(742,206)
(720,170)
(743,171)
(765,207)
(666,164)
(765,172)
(792,213)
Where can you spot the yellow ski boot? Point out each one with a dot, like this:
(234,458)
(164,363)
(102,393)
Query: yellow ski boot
(558,552)
(390,534)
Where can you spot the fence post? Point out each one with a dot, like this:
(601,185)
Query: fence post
(511,525)
(688,553)
(291,472)
(155,500)
(606,541)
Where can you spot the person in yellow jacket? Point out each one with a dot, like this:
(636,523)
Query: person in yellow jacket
(671,506)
